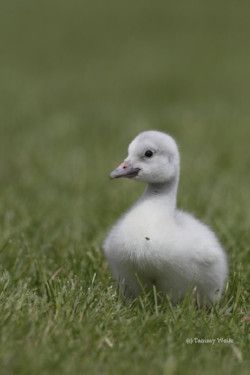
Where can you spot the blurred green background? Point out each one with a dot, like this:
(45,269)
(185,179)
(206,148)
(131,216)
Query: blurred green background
(78,80)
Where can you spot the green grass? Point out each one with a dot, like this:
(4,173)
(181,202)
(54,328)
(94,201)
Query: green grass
(78,80)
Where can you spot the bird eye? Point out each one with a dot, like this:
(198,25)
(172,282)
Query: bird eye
(148,153)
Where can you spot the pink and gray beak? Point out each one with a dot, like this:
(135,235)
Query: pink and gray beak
(124,170)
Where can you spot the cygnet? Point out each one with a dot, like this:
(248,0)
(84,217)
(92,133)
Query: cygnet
(156,244)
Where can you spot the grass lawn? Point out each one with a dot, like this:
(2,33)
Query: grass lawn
(78,80)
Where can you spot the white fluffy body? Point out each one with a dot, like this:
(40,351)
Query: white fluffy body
(154,243)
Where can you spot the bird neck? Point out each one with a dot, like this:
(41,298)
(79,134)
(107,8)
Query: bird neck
(166,193)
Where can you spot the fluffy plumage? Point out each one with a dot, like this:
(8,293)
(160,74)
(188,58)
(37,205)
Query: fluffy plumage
(154,243)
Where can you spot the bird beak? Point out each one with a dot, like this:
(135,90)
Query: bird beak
(125,169)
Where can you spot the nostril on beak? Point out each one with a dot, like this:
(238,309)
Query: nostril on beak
(124,165)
